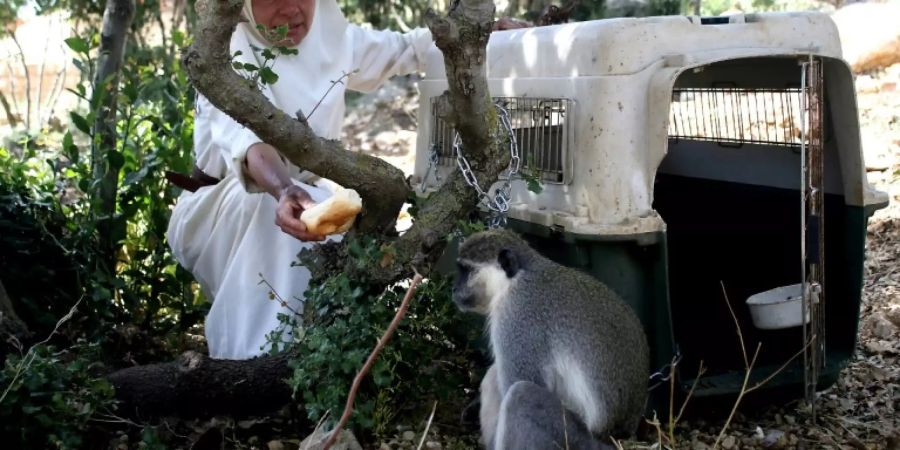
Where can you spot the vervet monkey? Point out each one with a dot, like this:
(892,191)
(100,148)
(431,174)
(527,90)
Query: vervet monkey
(570,357)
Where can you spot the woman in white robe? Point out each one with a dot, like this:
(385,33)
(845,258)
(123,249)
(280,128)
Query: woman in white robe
(226,234)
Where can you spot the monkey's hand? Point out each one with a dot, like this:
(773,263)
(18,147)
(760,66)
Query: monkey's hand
(291,203)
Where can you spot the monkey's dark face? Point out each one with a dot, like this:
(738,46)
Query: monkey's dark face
(463,294)
(479,286)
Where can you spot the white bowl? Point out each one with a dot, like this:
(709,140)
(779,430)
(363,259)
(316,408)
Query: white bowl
(777,308)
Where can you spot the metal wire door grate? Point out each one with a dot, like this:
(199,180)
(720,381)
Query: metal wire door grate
(735,116)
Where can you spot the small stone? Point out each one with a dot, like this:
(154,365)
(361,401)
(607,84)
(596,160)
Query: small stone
(791,420)
(433,445)
(793,439)
(883,328)
(774,440)
(866,84)
(893,316)
(275,445)
(409,435)
(384,446)
(729,443)
(878,347)
(758,433)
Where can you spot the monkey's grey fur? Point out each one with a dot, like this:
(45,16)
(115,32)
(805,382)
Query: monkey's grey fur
(562,342)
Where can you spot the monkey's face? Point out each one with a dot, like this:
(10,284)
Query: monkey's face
(478,286)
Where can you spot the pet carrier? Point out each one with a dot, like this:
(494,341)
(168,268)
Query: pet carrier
(684,159)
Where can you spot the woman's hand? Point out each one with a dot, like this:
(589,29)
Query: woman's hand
(265,167)
(292,201)
(508,23)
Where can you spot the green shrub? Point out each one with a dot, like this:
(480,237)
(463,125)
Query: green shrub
(430,357)
(49,397)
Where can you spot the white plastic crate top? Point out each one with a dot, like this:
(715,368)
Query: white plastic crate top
(619,75)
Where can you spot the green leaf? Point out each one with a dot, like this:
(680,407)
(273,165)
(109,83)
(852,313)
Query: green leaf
(250,67)
(78,44)
(237,65)
(130,91)
(268,76)
(79,64)
(534,185)
(80,122)
(69,148)
(178,38)
(116,159)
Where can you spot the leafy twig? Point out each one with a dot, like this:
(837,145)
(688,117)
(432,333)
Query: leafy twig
(333,84)
(273,295)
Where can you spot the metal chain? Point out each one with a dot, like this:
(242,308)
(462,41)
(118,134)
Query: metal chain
(499,204)
(665,373)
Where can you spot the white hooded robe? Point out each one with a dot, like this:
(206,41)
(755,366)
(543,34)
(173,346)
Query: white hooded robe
(226,234)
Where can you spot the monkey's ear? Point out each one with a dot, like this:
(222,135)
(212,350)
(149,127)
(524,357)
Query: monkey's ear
(509,261)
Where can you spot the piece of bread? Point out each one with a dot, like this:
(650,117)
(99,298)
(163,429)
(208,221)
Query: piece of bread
(335,215)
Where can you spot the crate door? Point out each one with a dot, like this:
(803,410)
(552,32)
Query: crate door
(812,223)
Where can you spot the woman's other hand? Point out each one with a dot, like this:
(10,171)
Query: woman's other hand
(508,23)
(291,203)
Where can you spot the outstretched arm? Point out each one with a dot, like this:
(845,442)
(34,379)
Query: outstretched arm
(269,171)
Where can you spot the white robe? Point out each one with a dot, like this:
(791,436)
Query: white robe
(226,234)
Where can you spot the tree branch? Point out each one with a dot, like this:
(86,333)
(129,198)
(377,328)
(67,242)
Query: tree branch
(198,386)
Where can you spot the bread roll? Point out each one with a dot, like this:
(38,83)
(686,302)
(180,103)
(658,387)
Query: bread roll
(335,215)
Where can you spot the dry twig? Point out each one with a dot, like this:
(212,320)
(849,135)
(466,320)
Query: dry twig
(427,426)
(748,365)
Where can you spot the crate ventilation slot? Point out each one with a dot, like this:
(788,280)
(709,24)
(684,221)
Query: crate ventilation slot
(542,127)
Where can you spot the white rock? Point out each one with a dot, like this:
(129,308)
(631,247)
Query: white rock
(729,442)
(869,34)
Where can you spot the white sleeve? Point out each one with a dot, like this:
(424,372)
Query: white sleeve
(379,55)
(232,138)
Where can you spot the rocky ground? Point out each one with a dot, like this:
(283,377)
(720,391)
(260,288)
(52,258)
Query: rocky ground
(859,411)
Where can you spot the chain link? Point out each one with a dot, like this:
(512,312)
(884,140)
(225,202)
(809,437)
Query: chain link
(665,373)
(499,204)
